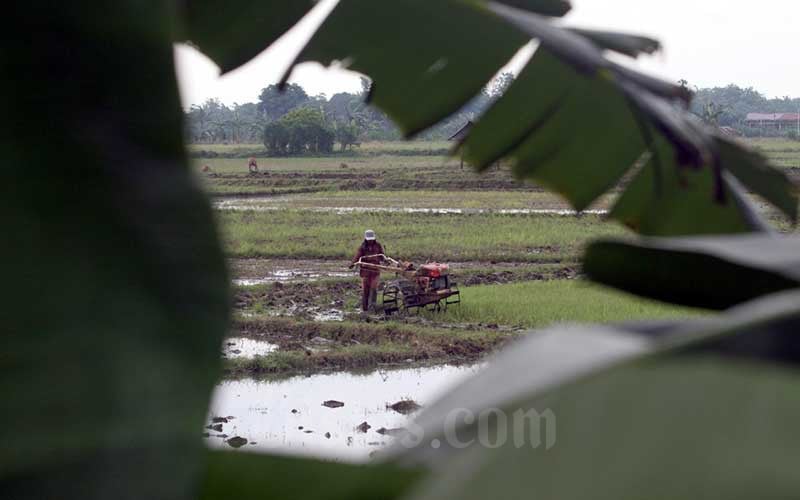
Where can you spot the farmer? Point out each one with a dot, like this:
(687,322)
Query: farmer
(252,166)
(369,277)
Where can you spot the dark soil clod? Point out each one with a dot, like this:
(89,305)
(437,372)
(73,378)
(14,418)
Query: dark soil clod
(405,407)
(391,432)
(236,442)
(363,427)
(332,403)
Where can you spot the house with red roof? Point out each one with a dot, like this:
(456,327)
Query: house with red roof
(779,121)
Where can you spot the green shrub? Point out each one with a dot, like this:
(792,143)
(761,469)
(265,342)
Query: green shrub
(303,130)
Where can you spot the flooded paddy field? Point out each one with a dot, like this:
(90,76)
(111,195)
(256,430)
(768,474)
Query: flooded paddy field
(513,249)
(491,314)
(305,371)
(341,416)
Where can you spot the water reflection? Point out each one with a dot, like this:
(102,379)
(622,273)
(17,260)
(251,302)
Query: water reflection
(265,205)
(242,347)
(288,415)
(285,275)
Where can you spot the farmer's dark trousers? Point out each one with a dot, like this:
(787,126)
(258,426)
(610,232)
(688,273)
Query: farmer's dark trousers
(369,291)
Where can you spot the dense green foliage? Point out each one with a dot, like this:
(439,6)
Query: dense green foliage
(347,113)
(729,106)
(274,103)
(299,131)
(213,121)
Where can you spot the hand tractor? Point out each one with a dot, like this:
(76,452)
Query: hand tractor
(427,286)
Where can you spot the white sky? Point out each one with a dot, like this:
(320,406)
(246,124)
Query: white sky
(707,42)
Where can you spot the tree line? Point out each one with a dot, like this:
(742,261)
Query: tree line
(728,107)
(292,122)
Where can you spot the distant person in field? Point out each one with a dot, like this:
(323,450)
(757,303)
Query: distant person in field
(369,250)
(252,165)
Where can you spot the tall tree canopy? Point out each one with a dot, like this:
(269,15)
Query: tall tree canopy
(275,103)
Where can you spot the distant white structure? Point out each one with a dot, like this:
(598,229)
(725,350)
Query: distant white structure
(779,121)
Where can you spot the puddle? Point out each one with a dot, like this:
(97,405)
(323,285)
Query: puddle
(313,312)
(286,275)
(329,315)
(242,347)
(464,211)
(267,204)
(278,415)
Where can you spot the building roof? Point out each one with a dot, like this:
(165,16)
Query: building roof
(772,117)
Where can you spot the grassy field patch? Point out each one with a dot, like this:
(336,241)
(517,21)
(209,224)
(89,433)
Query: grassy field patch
(419,237)
(783,153)
(539,304)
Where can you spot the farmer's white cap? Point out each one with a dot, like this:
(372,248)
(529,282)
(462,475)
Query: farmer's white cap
(369,235)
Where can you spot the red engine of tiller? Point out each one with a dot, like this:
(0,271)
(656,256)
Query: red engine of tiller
(433,270)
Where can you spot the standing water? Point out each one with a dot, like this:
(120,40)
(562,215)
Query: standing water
(288,416)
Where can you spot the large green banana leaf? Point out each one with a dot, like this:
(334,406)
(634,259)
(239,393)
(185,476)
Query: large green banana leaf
(704,409)
(573,120)
(115,292)
(713,272)
(115,299)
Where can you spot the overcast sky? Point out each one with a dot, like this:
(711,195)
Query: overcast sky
(707,42)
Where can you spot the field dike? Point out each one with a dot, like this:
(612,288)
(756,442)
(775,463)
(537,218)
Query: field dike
(312,346)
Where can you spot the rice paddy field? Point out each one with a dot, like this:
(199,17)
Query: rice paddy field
(290,231)
(783,153)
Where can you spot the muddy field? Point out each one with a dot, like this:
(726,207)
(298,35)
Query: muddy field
(305,370)
(307,310)
(250,272)
(291,228)
(384,173)
(319,290)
